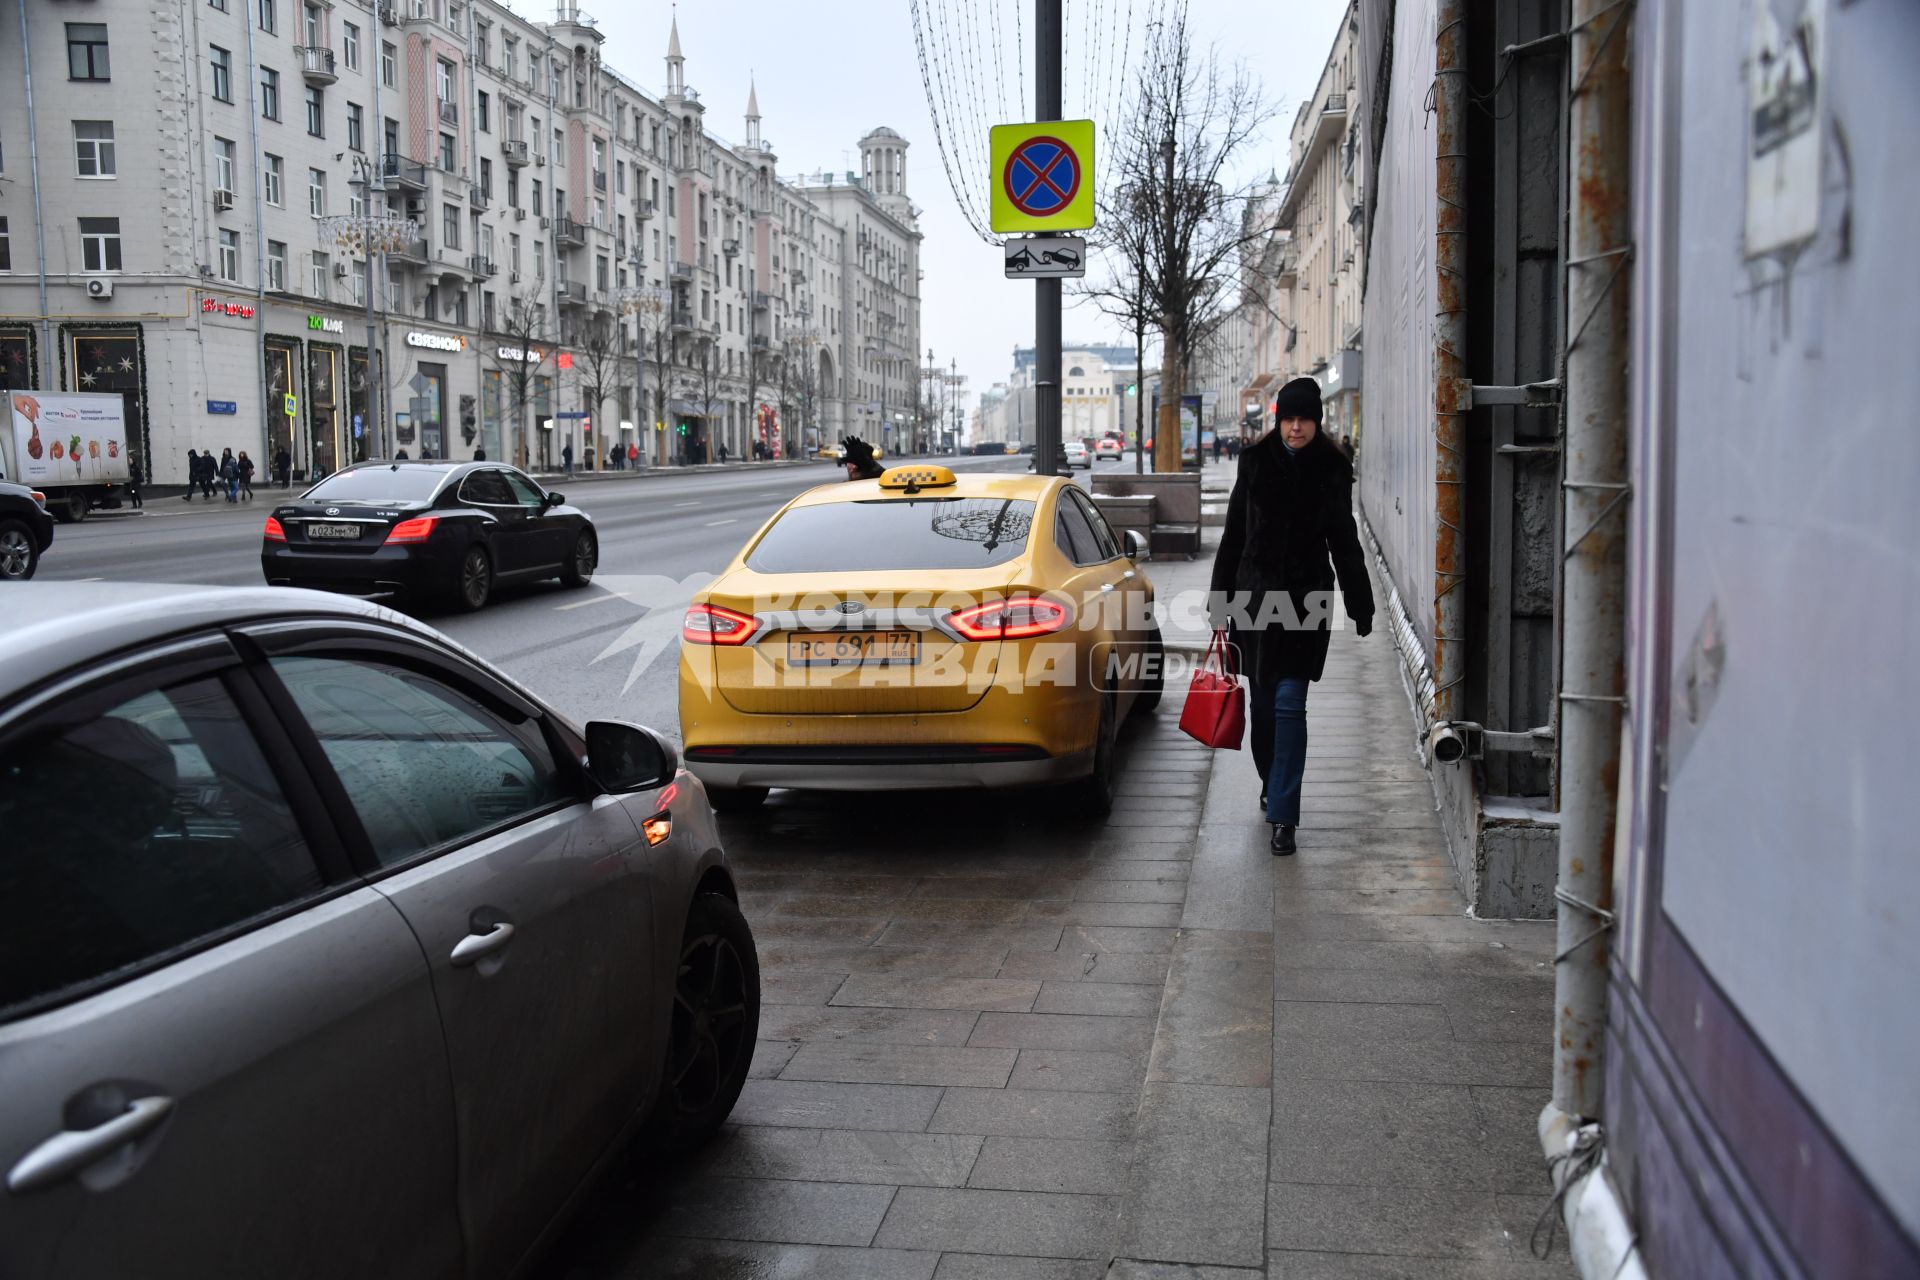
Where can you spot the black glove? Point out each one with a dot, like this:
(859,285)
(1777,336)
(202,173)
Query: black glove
(1363,626)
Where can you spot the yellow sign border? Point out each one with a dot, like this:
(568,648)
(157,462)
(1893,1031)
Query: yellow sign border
(1078,215)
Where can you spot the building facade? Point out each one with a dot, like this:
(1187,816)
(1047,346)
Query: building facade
(1094,396)
(587,264)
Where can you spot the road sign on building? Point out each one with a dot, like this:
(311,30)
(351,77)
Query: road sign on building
(1043,176)
(1035,257)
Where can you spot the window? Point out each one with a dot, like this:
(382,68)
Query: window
(425,764)
(356,127)
(513,251)
(446,152)
(620,177)
(350,45)
(6,247)
(600,272)
(269,93)
(276,181)
(99,244)
(1109,546)
(509,54)
(223,165)
(316,113)
(222,74)
(319,269)
(269,15)
(450,225)
(388,63)
(316,193)
(443,79)
(311,14)
(536,196)
(277,266)
(230,255)
(920,533)
(93,148)
(482,34)
(513,188)
(87,51)
(480,117)
(221,5)
(198,843)
(486,178)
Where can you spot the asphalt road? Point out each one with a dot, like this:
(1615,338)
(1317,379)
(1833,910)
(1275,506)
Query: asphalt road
(607,651)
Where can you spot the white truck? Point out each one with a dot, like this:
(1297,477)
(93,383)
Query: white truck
(70,446)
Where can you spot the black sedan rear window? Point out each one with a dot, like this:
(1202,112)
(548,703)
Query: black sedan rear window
(386,483)
(895,533)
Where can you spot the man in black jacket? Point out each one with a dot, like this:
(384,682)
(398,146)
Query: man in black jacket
(1289,536)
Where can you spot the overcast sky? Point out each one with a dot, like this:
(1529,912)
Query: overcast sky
(828,73)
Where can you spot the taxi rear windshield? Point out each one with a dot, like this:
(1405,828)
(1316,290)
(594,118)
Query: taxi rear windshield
(895,533)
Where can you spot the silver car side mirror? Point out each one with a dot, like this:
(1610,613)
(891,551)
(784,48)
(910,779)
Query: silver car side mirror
(629,757)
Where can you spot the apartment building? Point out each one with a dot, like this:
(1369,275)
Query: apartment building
(1098,391)
(224,189)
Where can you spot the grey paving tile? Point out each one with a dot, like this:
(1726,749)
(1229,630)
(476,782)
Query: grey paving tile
(1111,998)
(974,1266)
(810,1104)
(1393,1133)
(841,1155)
(667,1258)
(834,1213)
(1035,1113)
(776,882)
(1231,885)
(1078,1070)
(906,961)
(1023,888)
(840,929)
(1290,1265)
(1132,1269)
(1150,867)
(929,933)
(1358,1042)
(1305,1021)
(1518,1009)
(1510,1118)
(1427,873)
(1194,1195)
(1063,1031)
(1100,937)
(769,1056)
(1468,958)
(1020,1223)
(780,986)
(1012,995)
(964,910)
(1290,900)
(1374,819)
(1082,1166)
(900,1064)
(1130,891)
(867,1026)
(1158,915)
(1216,1020)
(828,904)
(1418,1221)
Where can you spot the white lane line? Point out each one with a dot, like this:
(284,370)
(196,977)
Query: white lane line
(712,523)
(600,599)
(89,579)
(686,504)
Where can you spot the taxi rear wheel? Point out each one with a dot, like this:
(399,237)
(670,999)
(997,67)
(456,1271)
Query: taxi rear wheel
(736,799)
(1092,796)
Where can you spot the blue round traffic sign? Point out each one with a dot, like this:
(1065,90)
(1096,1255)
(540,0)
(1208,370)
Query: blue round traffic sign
(1041,176)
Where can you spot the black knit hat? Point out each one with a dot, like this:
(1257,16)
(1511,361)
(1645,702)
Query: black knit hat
(1298,399)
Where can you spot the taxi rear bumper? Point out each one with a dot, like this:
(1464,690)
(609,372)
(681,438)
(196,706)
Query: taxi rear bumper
(884,767)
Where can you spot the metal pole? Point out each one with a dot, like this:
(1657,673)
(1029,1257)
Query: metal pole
(1593,637)
(1452,385)
(1046,293)
(39,223)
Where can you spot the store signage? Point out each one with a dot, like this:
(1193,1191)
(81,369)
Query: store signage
(564,360)
(214,306)
(223,406)
(436,341)
(528,355)
(326,324)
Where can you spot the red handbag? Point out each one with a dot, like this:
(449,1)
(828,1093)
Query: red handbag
(1216,710)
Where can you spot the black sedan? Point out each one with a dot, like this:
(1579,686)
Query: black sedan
(421,529)
(26,530)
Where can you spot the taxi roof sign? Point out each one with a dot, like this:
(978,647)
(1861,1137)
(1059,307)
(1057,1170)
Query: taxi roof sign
(1042,176)
(915,478)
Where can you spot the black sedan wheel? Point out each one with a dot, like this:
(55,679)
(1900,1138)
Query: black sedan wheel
(19,552)
(578,570)
(476,579)
(716,1017)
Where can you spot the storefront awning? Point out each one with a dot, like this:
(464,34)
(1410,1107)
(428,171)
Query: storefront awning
(1256,390)
(691,409)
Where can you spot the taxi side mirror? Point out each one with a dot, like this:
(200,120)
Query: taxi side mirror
(1136,545)
(628,757)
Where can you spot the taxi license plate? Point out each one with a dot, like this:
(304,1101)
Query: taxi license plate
(333,531)
(853,648)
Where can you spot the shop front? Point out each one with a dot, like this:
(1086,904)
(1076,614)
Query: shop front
(112,358)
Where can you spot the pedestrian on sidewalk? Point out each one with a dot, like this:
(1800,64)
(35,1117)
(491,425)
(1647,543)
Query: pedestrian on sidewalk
(133,486)
(283,465)
(230,475)
(566,459)
(245,468)
(1289,535)
(633,455)
(193,474)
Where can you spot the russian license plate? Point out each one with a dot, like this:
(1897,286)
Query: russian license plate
(853,648)
(317,531)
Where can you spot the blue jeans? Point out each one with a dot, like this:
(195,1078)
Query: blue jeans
(1279,742)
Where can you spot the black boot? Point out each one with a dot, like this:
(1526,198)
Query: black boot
(1282,843)
(1263,802)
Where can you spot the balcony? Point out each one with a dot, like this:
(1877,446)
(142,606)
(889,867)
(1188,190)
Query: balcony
(416,252)
(762,300)
(620,250)
(570,233)
(449,113)
(316,64)
(682,318)
(478,197)
(402,172)
(762,341)
(600,180)
(683,271)
(572,293)
(516,153)
(481,265)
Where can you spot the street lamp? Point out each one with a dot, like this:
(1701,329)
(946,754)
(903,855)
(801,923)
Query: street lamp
(646,303)
(367,233)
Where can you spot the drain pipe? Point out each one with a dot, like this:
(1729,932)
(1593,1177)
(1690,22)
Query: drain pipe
(260,257)
(1593,622)
(39,223)
(1452,386)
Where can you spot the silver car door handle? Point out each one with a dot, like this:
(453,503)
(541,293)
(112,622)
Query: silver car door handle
(476,945)
(65,1154)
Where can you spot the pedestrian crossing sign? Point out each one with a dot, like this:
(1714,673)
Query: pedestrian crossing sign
(292,405)
(1042,176)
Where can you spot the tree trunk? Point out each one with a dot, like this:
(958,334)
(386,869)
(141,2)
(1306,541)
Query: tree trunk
(1166,428)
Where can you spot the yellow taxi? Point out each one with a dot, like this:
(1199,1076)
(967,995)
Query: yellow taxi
(921,630)
(838,453)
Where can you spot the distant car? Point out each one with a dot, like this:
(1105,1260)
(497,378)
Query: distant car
(451,529)
(1076,454)
(1109,447)
(26,531)
(330,950)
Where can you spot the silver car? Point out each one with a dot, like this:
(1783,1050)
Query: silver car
(327,950)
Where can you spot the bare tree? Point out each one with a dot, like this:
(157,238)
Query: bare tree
(1178,219)
(519,357)
(598,357)
(704,377)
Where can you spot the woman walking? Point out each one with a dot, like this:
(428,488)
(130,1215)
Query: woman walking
(230,475)
(1289,535)
(245,466)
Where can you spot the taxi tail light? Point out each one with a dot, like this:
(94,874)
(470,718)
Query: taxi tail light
(658,828)
(1016,618)
(711,624)
(418,529)
(273,532)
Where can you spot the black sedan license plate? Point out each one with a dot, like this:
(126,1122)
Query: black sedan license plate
(853,648)
(333,531)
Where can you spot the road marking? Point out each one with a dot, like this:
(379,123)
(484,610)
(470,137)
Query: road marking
(713,523)
(686,504)
(599,599)
(89,579)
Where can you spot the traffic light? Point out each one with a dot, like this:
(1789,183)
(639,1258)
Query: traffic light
(1133,388)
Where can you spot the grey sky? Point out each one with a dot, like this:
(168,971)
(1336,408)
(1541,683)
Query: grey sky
(827,73)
